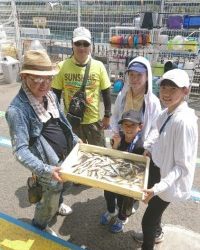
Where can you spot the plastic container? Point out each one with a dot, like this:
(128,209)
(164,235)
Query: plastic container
(108,134)
(191,46)
(189,68)
(191,22)
(10,69)
(118,85)
(174,22)
(158,69)
(163,39)
(116,40)
(136,22)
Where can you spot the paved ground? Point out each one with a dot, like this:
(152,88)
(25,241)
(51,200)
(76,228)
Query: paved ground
(82,227)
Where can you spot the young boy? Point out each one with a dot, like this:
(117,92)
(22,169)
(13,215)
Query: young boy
(131,141)
(173,154)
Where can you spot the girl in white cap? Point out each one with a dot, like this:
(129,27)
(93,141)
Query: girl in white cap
(173,154)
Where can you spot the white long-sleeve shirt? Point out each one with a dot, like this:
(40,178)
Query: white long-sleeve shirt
(175,153)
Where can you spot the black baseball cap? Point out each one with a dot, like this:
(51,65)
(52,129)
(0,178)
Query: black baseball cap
(132,116)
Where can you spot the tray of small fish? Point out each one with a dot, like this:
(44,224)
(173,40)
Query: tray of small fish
(112,170)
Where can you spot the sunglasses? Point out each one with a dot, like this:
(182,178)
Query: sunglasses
(82,44)
(40,80)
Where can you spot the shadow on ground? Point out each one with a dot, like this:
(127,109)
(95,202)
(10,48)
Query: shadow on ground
(83,228)
(22,195)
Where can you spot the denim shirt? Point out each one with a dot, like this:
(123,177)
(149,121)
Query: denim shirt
(29,147)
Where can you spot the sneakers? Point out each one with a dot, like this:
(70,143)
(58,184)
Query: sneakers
(139,237)
(118,226)
(106,218)
(64,210)
(159,238)
(50,231)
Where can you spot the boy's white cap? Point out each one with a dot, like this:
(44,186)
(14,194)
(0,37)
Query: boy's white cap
(81,33)
(178,76)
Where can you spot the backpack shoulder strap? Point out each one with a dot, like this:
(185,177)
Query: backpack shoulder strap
(86,75)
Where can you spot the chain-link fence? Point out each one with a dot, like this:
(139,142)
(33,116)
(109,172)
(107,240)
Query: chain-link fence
(160,39)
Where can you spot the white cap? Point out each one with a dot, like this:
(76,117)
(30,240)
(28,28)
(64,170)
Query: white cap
(178,76)
(81,33)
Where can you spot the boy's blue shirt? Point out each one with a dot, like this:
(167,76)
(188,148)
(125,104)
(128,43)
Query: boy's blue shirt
(137,143)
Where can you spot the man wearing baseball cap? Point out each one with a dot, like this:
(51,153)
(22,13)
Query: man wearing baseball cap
(70,79)
(173,154)
(81,34)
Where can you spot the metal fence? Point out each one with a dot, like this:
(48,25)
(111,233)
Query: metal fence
(52,22)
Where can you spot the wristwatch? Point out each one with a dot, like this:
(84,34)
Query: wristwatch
(107,114)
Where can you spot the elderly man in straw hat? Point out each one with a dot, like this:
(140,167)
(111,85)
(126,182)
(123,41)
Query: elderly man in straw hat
(41,135)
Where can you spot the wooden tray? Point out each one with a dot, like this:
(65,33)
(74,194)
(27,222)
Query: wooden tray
(71,160)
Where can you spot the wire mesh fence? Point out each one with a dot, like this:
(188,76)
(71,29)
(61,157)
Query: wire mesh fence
(53,21)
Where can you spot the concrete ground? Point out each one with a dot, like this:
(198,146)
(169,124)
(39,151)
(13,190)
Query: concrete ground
(181,221)
(177,237)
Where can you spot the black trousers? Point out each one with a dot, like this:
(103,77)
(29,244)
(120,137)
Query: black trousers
(110,202)
(124,203)
(151,221)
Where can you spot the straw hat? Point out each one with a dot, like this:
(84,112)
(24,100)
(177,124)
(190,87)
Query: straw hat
(37,62)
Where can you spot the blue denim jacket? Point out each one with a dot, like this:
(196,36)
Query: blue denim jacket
(29,147)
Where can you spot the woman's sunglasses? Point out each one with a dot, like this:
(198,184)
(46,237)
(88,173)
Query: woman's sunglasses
(82,44)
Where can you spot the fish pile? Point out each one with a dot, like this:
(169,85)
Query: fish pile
(120,171)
